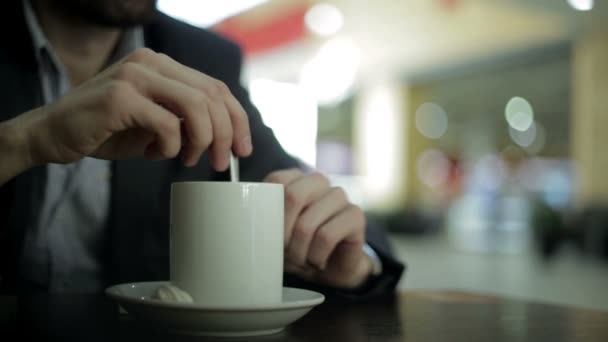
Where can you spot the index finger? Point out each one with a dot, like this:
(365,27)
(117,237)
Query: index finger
(213,88)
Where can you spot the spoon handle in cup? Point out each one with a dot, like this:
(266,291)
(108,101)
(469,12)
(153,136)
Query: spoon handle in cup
(234,168)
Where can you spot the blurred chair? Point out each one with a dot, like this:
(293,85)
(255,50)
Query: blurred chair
(586,229)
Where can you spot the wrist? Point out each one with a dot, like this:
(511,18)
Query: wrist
(15,148)
(31,139)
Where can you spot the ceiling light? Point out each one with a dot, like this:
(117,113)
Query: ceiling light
(581,5)
(332,72)
(205,13)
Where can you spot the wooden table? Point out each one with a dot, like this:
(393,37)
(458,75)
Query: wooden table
(410,316)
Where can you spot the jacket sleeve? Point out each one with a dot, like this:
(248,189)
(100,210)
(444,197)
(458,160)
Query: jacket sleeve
(268,156)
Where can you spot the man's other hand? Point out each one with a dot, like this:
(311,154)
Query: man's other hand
(324,232)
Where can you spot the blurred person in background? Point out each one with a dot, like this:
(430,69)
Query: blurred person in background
(94,90)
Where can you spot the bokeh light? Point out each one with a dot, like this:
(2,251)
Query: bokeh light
(524,138)
(331,73)
(540,141)
(581,5)
(433,168)
(488,174)
(519,114)
(291,112)
(324,19)
(431,120)
(557,188)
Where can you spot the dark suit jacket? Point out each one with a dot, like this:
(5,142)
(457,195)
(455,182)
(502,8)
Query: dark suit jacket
(136,248)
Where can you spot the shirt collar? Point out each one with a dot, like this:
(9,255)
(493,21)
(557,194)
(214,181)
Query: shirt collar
(131,39)
(38,38)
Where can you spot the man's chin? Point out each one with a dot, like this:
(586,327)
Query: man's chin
(108,13)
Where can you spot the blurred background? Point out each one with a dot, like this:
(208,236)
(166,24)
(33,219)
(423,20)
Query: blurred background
(474,131)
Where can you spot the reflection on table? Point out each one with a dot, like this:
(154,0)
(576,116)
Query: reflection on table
(407,316)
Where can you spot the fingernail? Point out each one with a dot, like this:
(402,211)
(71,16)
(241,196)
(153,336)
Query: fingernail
(194,161)
(189,162)
(246,146)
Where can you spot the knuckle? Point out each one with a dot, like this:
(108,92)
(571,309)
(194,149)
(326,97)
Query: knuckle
(198,101)
(214,89)
(162,56)
(201,138)
(340,194)
(222,88)
(141,55)
(283,176)
(205,141)
(171,127)
(195,105)
(274,177)
(292,198)
(303,228)
(239,115)
(197,141)
(127,71)
(222,142)
(171,145)
(223,137)
(295,258)
(320,178)
(302,259)
(325,238)
(295,171)
(358,215)
(241,121)
(116,92)
(271,178)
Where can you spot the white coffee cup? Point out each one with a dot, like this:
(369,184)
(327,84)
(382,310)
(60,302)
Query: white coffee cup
(227,242)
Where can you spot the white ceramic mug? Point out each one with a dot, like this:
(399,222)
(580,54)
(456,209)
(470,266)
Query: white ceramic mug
(227,242)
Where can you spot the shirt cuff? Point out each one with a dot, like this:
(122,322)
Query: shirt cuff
(377,267)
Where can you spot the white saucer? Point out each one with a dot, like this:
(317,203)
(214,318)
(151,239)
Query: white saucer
(198,319)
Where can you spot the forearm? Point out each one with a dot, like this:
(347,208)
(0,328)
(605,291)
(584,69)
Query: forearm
(15,157)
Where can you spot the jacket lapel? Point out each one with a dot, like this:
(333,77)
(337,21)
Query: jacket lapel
(20,198)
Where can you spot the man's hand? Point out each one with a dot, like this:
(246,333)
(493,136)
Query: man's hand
(145,105)
(324,233)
